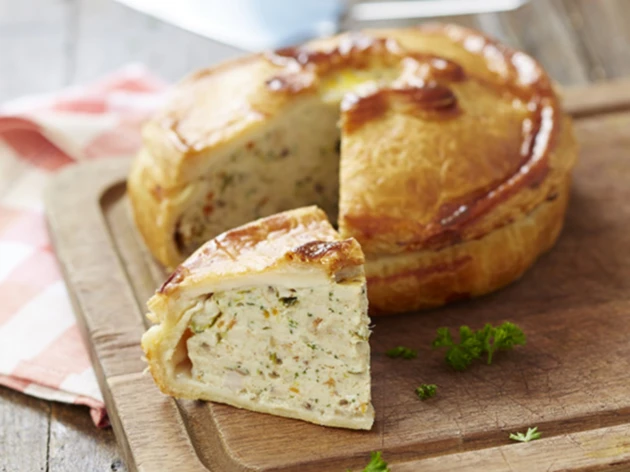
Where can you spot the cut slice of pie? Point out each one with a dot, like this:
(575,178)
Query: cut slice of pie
(271,317)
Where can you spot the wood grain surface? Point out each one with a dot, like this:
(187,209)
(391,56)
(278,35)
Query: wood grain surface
(570,380)
(37,435)
(578,41)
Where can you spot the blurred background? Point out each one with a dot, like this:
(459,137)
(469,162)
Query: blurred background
(48,44)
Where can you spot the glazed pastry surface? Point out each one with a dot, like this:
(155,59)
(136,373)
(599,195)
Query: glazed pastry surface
(425,144)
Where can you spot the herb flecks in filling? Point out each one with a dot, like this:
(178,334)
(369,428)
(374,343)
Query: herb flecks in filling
(294,164)
(289,301)
(281,346)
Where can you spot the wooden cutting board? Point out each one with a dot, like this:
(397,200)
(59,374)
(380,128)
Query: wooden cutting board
(572,380)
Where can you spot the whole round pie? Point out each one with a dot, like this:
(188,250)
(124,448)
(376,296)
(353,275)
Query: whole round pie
(445,154)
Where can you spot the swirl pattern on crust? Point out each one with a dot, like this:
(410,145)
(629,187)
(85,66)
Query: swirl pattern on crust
(425,88)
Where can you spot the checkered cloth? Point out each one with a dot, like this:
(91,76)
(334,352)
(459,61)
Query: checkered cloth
(41,351)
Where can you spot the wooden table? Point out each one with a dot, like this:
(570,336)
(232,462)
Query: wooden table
(48,44)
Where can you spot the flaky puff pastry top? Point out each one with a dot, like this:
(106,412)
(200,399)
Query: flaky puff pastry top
(446,134)
(299,243)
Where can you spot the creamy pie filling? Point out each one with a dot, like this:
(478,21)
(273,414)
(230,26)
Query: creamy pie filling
(296,348)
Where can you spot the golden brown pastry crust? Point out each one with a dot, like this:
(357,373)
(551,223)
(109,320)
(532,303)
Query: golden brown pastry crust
(453,152)
(465,147)
(155,209)
(427,279)
(296,238)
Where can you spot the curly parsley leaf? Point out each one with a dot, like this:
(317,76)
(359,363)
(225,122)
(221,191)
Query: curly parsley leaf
(459,356)
(443,339)
(401,351)
(425,391)
(473,344)
(505,337)
(376,464)
(530,435)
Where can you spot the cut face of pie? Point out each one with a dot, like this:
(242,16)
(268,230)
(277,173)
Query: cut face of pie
(271,317)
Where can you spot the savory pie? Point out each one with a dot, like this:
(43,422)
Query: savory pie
(445,154)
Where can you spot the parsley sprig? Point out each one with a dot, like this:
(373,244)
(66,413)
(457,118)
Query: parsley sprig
(530,435)
(425,391)
(402,351)
(473,344)
(376,464)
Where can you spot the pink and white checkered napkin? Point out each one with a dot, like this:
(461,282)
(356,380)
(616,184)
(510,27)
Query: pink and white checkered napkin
(41,351)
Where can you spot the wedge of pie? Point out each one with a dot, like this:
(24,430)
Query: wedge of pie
(271,317)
